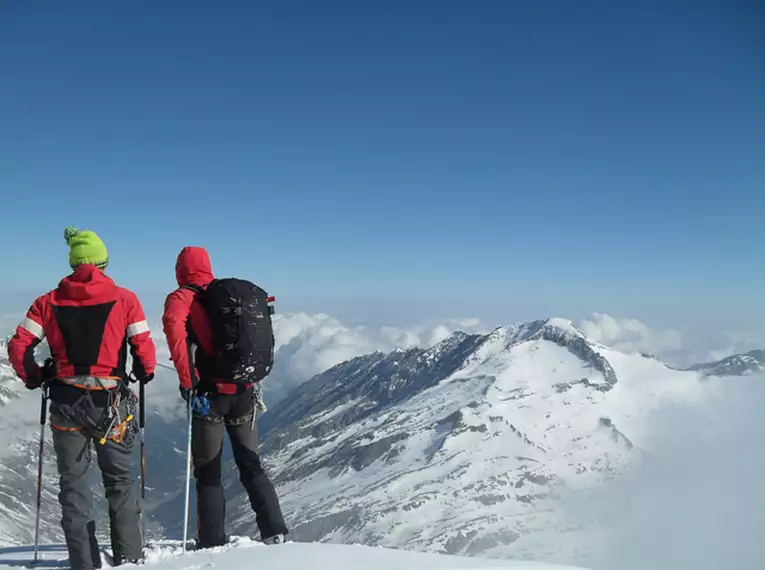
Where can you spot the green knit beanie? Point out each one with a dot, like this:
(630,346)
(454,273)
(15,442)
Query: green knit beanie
(85,248)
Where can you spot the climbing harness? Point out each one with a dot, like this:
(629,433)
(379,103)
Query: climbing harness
(115,422)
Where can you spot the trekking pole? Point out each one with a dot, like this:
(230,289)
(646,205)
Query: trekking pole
(254,406)
(142,425)
(188,473)
(43,417)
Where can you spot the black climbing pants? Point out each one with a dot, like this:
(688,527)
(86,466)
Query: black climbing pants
(232,413)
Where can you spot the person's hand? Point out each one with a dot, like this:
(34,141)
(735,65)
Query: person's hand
(146,379)
(185,393)
(142,379)
(45,373)
(48,371)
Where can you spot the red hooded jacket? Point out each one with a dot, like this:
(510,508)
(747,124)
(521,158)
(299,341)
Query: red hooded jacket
(88,322)
(185,322)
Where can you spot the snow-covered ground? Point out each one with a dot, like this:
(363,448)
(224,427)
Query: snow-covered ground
(244,553)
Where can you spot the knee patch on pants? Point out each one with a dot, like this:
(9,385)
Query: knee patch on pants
(208,473)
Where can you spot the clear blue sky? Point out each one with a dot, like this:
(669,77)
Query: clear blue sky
(523,157)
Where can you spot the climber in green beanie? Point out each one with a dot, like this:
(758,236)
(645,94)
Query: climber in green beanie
(90,323)
(85,248)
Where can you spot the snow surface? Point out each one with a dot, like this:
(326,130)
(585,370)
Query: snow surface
(244,553)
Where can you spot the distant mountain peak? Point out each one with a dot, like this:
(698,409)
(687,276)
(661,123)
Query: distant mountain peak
(532,330)
(734,365)
(555,329)
(563,324)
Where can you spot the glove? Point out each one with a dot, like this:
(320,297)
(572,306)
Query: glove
(143,379)
(185,393)
(48,371)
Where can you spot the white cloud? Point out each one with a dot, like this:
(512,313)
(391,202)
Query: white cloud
(309,344)
(631,335)
(691,345)
(696,500)
(735,342)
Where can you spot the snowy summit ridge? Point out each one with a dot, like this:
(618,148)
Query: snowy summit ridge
(561,332)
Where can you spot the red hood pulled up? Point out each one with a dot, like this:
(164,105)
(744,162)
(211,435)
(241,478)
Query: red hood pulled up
(193,267)
(86,282)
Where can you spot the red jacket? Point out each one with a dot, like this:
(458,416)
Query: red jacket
(186,326)
(88,322)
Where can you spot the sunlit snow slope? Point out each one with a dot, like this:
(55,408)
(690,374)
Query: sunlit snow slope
(245,554)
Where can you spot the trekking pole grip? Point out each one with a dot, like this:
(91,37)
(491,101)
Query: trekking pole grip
(44,405)
(141,404)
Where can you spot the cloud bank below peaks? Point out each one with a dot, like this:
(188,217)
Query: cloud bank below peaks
(631,335)
(309,344)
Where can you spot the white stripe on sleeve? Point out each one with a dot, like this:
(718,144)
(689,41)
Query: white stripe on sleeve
(137,328)
(33,327)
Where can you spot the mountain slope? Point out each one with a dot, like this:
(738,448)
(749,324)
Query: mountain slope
(463,447)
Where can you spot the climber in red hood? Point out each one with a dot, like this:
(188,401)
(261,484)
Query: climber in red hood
(218,406)
(192,269)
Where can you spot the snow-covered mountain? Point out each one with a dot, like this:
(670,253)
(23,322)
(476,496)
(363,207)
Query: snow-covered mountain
(735,365)
(463,447)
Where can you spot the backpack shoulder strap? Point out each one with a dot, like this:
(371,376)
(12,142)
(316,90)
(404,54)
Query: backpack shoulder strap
(194,288)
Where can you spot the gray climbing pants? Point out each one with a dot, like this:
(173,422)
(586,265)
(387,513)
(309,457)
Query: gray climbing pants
(74,451)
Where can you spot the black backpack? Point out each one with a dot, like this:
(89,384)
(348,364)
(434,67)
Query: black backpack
(242,331)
